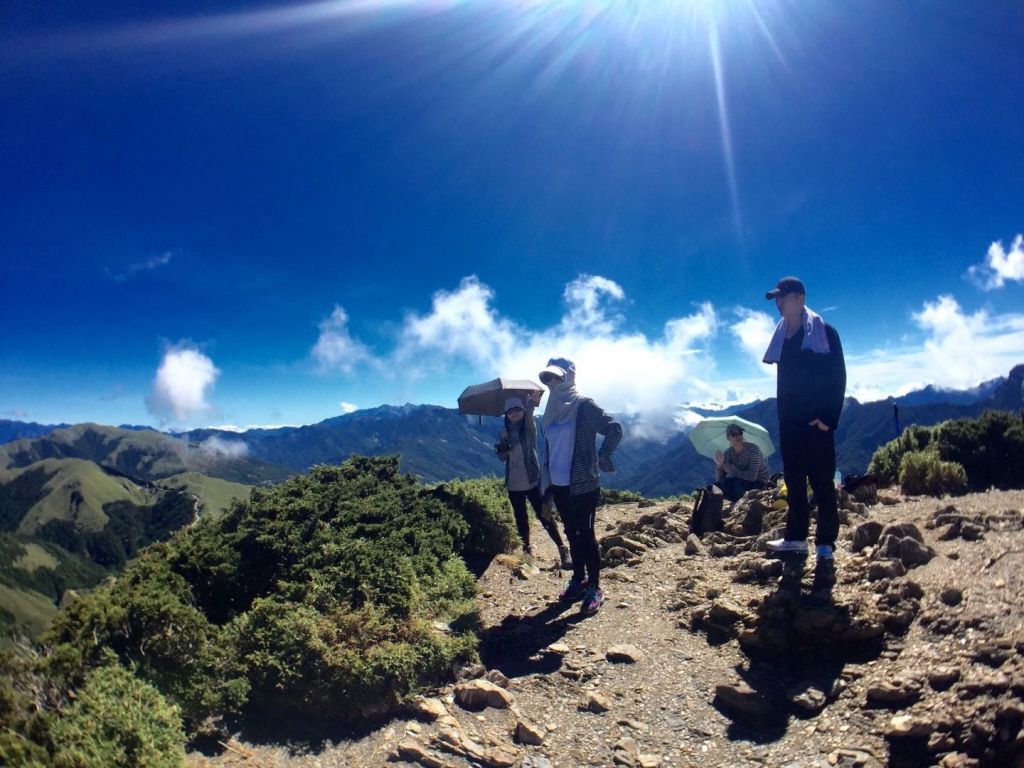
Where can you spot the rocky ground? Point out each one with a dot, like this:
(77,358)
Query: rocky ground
(707,653)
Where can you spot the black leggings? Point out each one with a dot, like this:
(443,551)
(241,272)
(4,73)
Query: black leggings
(578,515)
(518,499)
(809,455)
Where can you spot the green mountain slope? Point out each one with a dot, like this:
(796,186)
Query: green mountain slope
(143,455)
(34,576)
(67,522)
(77,491)
(213,494)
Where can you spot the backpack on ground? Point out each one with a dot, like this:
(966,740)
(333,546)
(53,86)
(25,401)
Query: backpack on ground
(707,510)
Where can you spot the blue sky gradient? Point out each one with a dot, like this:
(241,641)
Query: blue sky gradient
(269,214)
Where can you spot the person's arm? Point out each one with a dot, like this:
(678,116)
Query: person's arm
(835,380)
(503,447)
(545,469)
(611,430)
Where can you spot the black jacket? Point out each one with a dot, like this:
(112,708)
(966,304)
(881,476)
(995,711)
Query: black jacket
(811,385)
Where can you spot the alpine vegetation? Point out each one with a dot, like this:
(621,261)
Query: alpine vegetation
(337,595)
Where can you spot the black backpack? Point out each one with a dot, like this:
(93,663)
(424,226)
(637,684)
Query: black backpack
(707,510)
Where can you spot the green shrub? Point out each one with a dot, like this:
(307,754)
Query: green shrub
(924,473)
(118,721)
(990,448)
(334,595)
(484,506)
(615,496)
(18,752)
(885,464)
(148,619)
(347,663)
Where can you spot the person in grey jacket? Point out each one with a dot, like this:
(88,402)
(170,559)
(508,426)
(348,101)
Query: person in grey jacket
(569,473)
(517,447)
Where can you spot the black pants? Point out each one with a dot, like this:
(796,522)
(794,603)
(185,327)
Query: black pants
(578,514)
(519,499)
(733,488)
(809,454)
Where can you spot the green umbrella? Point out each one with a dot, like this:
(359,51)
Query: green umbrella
(709,435)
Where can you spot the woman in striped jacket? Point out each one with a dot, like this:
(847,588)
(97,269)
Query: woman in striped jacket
(741,468)
(569,473)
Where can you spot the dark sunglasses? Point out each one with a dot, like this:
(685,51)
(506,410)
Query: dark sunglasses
(547,378)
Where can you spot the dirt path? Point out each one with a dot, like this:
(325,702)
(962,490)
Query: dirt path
(911,669)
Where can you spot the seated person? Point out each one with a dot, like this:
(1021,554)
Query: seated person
(741,468)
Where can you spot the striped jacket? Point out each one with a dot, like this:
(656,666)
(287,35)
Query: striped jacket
(591,421)
(749,464)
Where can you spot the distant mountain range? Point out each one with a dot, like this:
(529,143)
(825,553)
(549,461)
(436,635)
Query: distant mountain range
(86,497)
(437,444)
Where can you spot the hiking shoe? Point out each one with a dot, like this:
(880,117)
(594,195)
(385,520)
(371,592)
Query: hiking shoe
(574,589)
(784,545)
(527,549)
(564,559)
(592,600)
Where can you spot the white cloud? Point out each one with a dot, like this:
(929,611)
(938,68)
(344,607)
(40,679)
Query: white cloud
(753,331)
(247,427)
(959,350)
(1000,265)
(623,371)
(183,382)
(347,407)
(588,299)
(461,324)
(336,349)
(221,448)
(656,376)
(147,265)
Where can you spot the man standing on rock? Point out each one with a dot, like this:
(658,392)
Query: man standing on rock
(810,390)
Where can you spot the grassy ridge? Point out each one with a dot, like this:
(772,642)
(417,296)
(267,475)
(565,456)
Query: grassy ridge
(214,494)
(70,523)
(77,491)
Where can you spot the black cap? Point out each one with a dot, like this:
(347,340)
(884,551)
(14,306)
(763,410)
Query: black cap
(786,286)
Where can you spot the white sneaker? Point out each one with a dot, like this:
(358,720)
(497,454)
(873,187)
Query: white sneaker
(782,545)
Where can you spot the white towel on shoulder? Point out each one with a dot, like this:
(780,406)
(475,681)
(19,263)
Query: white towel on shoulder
(815,338)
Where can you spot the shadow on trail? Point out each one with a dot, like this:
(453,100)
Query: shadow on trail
(797,645)
(300,734)
(515,646)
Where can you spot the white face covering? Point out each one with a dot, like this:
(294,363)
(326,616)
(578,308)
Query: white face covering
(563,402)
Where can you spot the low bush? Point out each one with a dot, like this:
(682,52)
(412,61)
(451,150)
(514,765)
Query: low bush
(118,721)
(989,449)
(615,496)
(484,507)
(923,473)
(885,464)
(318,598)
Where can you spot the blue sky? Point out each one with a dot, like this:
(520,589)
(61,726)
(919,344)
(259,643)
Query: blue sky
(241,214)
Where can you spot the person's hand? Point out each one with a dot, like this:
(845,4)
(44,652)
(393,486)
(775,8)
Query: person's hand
(719,458)
(536,395)
(819,424)
(604,463)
